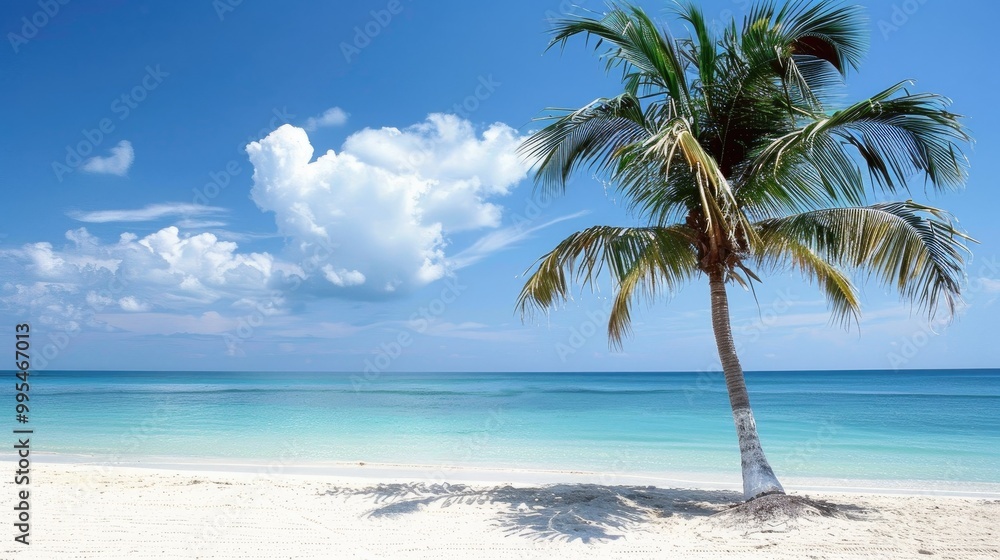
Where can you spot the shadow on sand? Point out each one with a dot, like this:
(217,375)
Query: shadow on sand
(556,512)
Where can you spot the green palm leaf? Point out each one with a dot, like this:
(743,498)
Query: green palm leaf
(641,262)
(636,44)
(732,151)
(893,137)
(588,135)
(912,248)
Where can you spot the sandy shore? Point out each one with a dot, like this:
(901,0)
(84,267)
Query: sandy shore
(92,511)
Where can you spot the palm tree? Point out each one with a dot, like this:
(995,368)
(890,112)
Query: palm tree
(728,147)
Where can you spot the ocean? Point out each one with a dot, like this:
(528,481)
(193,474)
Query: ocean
(940,425)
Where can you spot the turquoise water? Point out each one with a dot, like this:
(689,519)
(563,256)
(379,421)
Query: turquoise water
(917,425)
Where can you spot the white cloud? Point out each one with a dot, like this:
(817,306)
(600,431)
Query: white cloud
(501,239)
(371,220)
(380,210)
(317,330)
(129,303)
(201,224)
(165,269)
(473,331)
(50,299)
(148,213)
(98,301)
(987,285)
(209,322)
(43,260)
(202,263)
(334,116)
(342,277)
(117,163)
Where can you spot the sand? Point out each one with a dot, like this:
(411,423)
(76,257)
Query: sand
(96,511)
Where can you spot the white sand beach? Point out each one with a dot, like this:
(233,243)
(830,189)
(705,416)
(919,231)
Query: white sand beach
(95,511)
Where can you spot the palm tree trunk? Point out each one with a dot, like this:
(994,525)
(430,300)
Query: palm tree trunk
(758,478)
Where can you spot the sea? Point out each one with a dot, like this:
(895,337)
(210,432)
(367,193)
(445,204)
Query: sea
(933,425)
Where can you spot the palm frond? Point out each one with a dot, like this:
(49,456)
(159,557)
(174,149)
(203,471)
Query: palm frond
(778,249)
(826,30)
(704,53)
(808,46)
(913,248)
(636,43)
(650,163)
(640,261)
(589,135)
(894,136)
(822,175)
(727,145)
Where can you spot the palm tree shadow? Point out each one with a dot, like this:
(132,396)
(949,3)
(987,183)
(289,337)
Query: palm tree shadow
(555,512)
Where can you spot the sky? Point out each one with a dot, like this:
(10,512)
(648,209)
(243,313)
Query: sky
(333,186)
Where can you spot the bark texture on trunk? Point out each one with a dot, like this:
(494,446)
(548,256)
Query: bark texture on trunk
(758,478)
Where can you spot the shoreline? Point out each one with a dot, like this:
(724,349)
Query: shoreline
(360,471)
(99,511)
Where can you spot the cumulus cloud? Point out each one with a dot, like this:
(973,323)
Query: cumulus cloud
(342,277)
(148,213)
(334,116)
(117,163)
(163,270)
(203,261)
(44,262)
(379,212)
(129,303)
(375,218)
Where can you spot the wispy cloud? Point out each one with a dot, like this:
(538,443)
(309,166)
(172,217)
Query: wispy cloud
(148,213)
(989,285)
(334,116)
(474,331)
(322,330)
(200,224)
(118,163)
(167,324)
(501,239)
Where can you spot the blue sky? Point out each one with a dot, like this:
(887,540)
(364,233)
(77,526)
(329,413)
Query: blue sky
(162,211)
